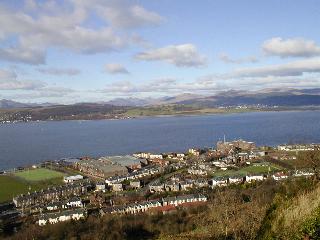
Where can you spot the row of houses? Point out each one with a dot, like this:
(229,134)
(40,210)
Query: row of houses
(140,173)
(188,184)
(146,155)
(177,185)
(73,202)
(52,218)
(298,147)
(223,181)
(156,204)
(52,194)
(151,156)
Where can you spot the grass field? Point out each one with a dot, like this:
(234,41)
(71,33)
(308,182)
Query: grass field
(247,170)
(10,187)
(27,181)
(39,174)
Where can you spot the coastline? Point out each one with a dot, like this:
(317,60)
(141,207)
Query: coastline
(200,112)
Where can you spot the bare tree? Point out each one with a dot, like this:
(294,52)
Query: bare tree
(309,159)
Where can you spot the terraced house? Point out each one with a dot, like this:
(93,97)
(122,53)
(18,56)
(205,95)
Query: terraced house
(50,195)
(157,205)
(52,218)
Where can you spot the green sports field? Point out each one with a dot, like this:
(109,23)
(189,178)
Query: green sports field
(247,170)
(39,174)
(27,181)
(10,187)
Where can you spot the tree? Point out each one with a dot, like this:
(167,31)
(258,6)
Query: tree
(309,159)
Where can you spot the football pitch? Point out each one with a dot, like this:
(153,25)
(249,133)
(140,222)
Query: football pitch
(38,174)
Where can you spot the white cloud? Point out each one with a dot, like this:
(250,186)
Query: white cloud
(115,68)
(10,81)
(162,86)
(227,59)
(296,68)
(295,47)
(59,71)
(184,55)
(124,14)
(297,74)
(23,54)
(39,26)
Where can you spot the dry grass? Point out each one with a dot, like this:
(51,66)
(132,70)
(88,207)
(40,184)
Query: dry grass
(295,212)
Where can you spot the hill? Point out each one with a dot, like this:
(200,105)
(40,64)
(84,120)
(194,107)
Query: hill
(81,111)
(8,104)
(267,97)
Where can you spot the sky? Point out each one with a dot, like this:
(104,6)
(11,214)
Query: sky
(68,51)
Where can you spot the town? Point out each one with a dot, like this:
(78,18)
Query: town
(143,183)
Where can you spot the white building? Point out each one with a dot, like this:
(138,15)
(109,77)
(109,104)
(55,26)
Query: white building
(71,179)
(53,218)
(279,176)
(194,152)
(117,187)
(252,178)
(236,179)
(197,171)
(100,187)
(303,174)
(73,203)
(219,181)
(155,156)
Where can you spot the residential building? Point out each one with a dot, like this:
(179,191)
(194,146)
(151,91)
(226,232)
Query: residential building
(279,176)
(253,178)
(117,187)
(52,218)
(156,187)
(70,179)
(219,181)
(135,184)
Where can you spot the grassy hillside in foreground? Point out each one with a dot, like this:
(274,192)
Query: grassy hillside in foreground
(296,218)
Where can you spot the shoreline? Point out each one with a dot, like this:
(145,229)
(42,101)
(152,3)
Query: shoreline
(182,114)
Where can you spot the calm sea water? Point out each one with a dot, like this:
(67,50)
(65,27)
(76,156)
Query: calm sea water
(26,143)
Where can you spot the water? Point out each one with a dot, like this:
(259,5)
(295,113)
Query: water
(26,143)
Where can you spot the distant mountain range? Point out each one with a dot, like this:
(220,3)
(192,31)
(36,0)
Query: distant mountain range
(267,97)
(9,104)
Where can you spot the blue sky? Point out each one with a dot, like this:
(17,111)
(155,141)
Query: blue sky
(76,50)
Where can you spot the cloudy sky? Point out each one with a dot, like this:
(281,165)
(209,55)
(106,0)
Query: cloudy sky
(67,51)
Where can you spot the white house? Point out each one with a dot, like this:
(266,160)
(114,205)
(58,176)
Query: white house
(70,179)
(155,156)
(185,185)
(303,174)
(236,179)
(194,152)
(53,218)
(73,203)
(117,187)
(279,176)
(219,181)
(54,206)
(100,187)
(252,178)
(197,171)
